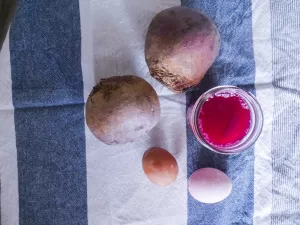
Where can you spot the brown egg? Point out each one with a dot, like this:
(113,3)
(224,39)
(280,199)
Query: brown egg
(160,166)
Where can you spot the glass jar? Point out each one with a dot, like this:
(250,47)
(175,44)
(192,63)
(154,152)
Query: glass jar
(255,127)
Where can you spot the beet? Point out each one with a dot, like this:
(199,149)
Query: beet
(181,44)
(7,8)
(121,109)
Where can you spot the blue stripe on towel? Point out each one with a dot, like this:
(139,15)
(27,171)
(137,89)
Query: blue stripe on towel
(47,87)
(234,66)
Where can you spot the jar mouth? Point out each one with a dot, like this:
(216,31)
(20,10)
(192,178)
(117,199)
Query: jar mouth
(256,123)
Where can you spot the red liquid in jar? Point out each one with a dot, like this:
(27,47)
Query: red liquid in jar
(224,119)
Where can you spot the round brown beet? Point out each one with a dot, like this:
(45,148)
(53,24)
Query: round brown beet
(181,45)
(121,109)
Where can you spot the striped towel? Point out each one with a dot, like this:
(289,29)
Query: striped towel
(53,171)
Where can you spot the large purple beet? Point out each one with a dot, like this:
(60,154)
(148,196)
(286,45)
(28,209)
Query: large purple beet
(181,45)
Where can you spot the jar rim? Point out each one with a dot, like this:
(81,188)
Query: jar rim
(252,135)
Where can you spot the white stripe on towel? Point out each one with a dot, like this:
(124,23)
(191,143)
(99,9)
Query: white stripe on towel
(262,45)
(118,191)
(8,151)
(286,133)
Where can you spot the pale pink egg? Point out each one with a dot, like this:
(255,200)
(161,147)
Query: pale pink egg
(209,185)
